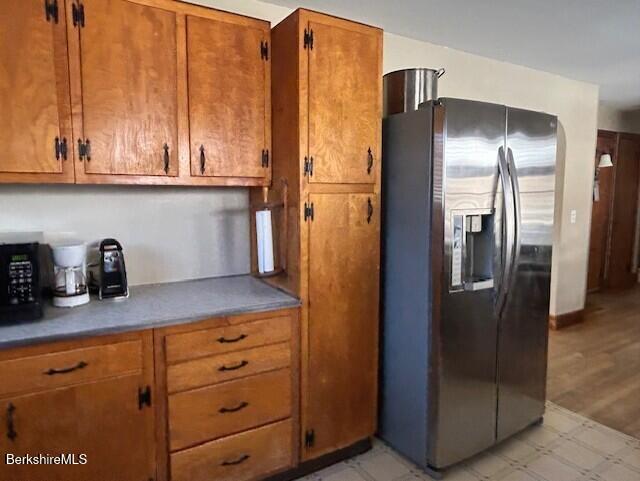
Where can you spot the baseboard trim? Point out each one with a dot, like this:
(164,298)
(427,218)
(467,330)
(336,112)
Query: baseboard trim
(317,464)
(561,321)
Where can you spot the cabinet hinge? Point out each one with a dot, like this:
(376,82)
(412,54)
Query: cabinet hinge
(308,166)
(309,438)
(144,397)
(51,10)
(265,158)
(60,146)
(264,50)
(84,150)
(308,39)
(308,211)
(77,13)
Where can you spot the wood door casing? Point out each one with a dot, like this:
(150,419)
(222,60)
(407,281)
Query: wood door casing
(34,101)
(344,104)
(601,213)
(101,420)
(128,68)
(625,205)
(228,101)
(341,366)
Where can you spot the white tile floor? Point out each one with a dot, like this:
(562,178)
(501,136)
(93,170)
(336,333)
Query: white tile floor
(567,447)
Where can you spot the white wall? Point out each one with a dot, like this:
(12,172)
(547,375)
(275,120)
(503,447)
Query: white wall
(168,233)
(468,76)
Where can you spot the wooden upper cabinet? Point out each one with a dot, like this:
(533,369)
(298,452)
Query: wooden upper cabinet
(342,359)
(229,101)
(34,94)
(124,89)
(345,104)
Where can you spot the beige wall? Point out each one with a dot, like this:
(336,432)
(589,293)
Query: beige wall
(611,118)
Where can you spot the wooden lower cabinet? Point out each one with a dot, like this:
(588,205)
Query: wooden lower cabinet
(247,456)
(228,390)
(215,411)
(101,423)
(342,352)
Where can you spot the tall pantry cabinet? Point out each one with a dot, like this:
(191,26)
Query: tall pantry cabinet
(326,114)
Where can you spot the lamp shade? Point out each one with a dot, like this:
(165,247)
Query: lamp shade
(605,161)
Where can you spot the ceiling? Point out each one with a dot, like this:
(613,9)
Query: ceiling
(595,41)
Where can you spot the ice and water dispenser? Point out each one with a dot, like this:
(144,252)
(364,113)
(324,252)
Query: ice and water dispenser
(472,248)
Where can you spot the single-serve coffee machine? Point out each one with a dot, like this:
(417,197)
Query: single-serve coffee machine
(70,274)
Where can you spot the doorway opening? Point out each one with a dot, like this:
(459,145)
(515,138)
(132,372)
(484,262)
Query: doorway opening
(594,366)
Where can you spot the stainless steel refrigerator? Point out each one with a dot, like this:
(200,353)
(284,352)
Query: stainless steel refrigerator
(468,195)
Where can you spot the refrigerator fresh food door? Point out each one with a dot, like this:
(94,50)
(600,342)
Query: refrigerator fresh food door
(522,343)
(462,397)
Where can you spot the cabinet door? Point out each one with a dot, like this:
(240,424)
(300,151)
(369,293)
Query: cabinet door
(342,358)
(34,94)
(127,109)
(625,206)
(101,420)
(344,103)
(228,86)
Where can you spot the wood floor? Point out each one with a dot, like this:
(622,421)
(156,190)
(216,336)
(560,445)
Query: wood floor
(594,367)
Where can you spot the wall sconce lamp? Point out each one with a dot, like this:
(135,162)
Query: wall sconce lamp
(605,161)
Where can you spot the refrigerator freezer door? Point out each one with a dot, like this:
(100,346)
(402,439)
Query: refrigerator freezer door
(522,344)
(462,398)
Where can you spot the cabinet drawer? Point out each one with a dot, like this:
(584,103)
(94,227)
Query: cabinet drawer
(227,408)
(206,342)
(69,367)
(246,456)
(225,367)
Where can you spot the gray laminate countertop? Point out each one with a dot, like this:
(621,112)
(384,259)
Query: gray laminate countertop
(149,306)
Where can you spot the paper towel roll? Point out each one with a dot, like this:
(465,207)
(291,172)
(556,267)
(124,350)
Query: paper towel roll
(265,241)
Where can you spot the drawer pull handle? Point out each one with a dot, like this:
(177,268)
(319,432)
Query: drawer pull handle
(11,430)
(240,406)
(241,459)
(234,367)
(65,370)
(223,339)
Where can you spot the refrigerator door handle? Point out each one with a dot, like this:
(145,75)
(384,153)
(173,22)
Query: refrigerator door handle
(508,243)
(513,175)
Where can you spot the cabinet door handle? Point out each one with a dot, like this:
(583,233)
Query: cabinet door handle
(239,407)
(369,161)
(223,340)
(369,210)
(65,370)
(165,147)
(58,148)
(241,459)
(11,430)
(234,367)
(203,160)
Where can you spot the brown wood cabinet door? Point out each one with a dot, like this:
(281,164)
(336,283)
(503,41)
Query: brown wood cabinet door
(228,83)
(34,94)
(601,212)
(101,420)
(344,104)
(341,365)
(625,205)
(128,76)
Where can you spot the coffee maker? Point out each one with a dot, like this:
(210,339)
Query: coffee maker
(70,274)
